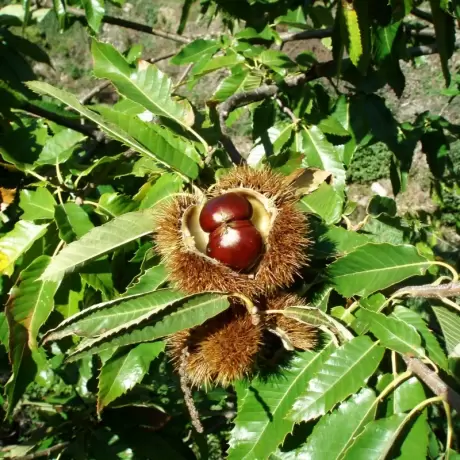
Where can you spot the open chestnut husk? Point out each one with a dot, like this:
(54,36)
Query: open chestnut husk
(274,261)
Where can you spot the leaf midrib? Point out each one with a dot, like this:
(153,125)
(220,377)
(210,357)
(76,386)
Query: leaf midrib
(394,267)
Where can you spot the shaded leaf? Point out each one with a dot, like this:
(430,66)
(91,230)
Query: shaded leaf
(99,241)
(124,370)
(4,333)
(344,373)
(444,27)
(72,221)
(373,267)
(60,147)
(149,281)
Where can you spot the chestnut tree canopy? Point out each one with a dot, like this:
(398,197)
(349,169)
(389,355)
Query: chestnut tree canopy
(339,334)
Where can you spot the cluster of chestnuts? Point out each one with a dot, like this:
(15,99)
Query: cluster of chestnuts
(245,235)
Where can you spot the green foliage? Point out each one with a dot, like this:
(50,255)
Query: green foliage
(87,304)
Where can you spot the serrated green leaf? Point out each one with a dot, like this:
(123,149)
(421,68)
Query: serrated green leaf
(32,300)
(393,333)
(95,11)
(149,281)
(355,45)
(169,149)
(179,316)
(164,187)
(344,373)
(240,81)
(59,148)
(72,221)
(111,129)
(17,242)
(434,350)
(450,325)
(37,204)
(196,50)
(326,202)
(343,240)
(149,87)
(256,434)
(100,241)
(378,437)
(124,370)
(114,316)
(320,153)
(373,267)
(346,422)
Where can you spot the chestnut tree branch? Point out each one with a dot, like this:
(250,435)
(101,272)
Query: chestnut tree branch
(433,382)
(305,35)
(133,26)
(430,291)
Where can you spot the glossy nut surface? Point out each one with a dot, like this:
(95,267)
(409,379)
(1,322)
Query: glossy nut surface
(224,209)
(236,244)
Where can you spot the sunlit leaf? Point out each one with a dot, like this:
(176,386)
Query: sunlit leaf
(16,242)
(345,372)
(99,241)
(372,267)
(179,316)
(450,325)
(346,422)
(95,11)
(196,50)
(432,346)
(256,434)
(32,300)
(393,333)
(37,204)
(115,315)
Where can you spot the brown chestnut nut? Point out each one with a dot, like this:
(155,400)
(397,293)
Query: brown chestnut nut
(223,209)
(236,244)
